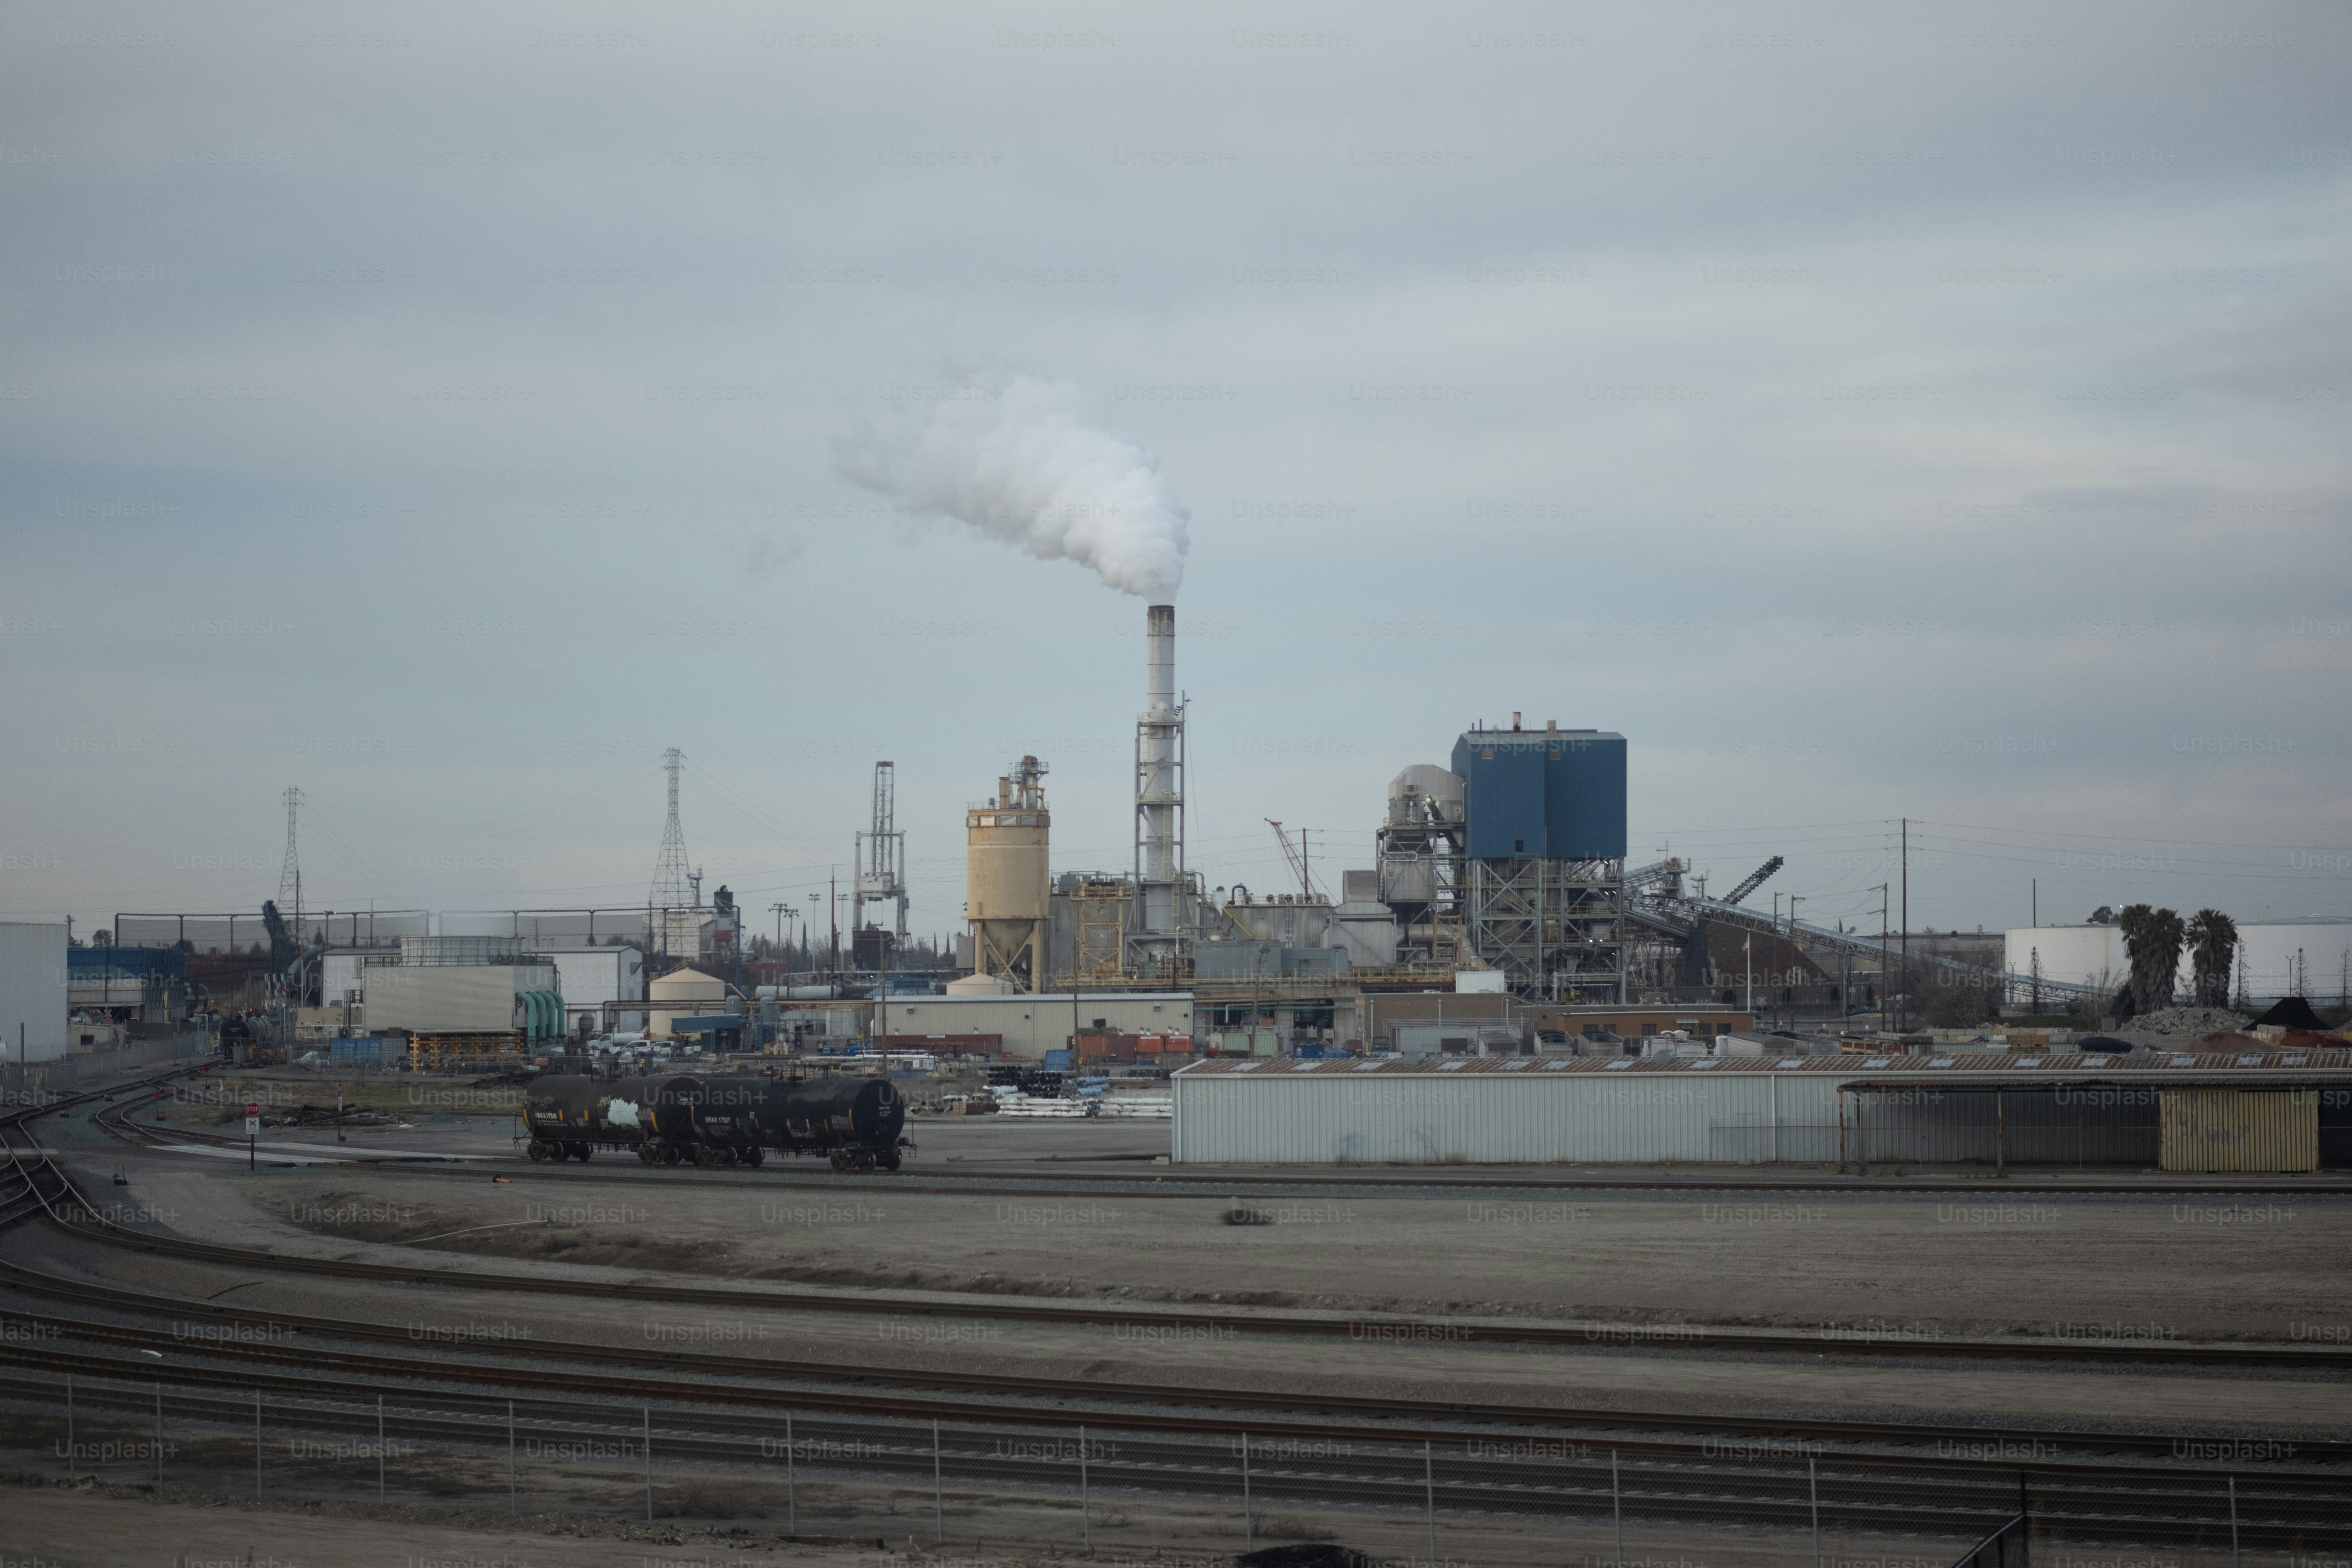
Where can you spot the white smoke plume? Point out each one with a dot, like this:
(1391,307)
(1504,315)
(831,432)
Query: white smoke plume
(1019,463)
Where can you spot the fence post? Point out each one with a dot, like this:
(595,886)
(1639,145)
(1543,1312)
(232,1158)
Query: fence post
(1617,1507)
(649,1463)
(1429,1497)
(513,1508)
(159,1439)
(257,1442)
(2233,1522)
(1249,1525)
(1086,1496)
(938,1508)
(70,1448)
(792,1492)
(1813,1485)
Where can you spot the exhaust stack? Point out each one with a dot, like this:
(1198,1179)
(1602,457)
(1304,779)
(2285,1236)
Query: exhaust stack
(1158,784)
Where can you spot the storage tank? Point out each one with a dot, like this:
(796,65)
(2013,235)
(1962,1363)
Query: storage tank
(701,994)
(1005,877)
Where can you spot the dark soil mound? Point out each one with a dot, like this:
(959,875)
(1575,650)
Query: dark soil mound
(2292,1012)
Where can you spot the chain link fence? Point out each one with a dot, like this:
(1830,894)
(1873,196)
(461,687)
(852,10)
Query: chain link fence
(1141,1493)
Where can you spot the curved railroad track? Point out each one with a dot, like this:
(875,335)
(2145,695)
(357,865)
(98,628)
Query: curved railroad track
(1381,1329)
(66,1209)
(1896,1485)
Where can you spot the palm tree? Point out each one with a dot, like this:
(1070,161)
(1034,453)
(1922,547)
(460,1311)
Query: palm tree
(2212,943)
(2152,938)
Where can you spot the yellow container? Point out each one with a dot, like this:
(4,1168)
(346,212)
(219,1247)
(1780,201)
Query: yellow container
(2241,1129)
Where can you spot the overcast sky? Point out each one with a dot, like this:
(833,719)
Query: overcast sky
(1872,412)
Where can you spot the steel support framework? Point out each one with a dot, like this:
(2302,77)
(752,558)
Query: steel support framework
(1098,910)
(1554,928)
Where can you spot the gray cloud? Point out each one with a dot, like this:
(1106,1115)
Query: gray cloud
(478,384)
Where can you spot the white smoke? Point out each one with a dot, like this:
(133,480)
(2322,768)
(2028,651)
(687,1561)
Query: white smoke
(1022,466)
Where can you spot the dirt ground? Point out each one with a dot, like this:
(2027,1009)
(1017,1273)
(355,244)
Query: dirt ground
(60,1527)
(2095,1265)
(1888,1265)
(2104,1266)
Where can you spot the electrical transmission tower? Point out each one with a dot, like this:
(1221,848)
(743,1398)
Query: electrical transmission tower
(670,874)
(289,872)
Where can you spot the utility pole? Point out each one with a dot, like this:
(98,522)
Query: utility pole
(1882,957)
(1791,973)
(833,886)
(1906,901)
(779,909)
(2036,916)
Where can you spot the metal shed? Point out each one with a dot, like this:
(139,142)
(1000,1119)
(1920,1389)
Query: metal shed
(1994,1109)
(1501,1109)
(2184,1110)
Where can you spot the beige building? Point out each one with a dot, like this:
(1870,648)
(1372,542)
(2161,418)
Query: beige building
(1031,1026)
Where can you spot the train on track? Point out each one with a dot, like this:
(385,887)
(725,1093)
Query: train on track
(676,1120)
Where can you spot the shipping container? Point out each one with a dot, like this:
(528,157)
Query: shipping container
(2241,1129)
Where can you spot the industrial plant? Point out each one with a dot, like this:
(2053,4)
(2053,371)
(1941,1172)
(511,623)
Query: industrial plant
(1499,919)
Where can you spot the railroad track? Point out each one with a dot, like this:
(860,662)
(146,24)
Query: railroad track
(1384,1330)
(1327,1464)
(262,1338)
(119,1122)
(1911,1493)
(1164,1321)
(968,1386)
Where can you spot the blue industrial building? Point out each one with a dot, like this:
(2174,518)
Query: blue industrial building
(1543,795)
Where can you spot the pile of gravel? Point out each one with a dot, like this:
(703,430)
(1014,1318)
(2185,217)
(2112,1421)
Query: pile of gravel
(2183,1023)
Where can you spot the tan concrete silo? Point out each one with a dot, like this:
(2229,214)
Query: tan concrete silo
(1006,878)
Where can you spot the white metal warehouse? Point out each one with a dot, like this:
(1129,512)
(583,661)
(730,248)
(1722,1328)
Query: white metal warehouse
(2020,1106)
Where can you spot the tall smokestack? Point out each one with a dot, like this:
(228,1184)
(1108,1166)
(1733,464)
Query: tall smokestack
(1158,784)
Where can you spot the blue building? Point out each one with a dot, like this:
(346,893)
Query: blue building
(1544,795)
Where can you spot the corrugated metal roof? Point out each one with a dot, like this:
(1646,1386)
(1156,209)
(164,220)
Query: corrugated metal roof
(2006,1065)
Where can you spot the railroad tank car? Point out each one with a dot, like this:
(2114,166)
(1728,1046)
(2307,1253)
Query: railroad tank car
(855,1121)
(566,1117)
(570,1117)
(724,1116)
(717,1121)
